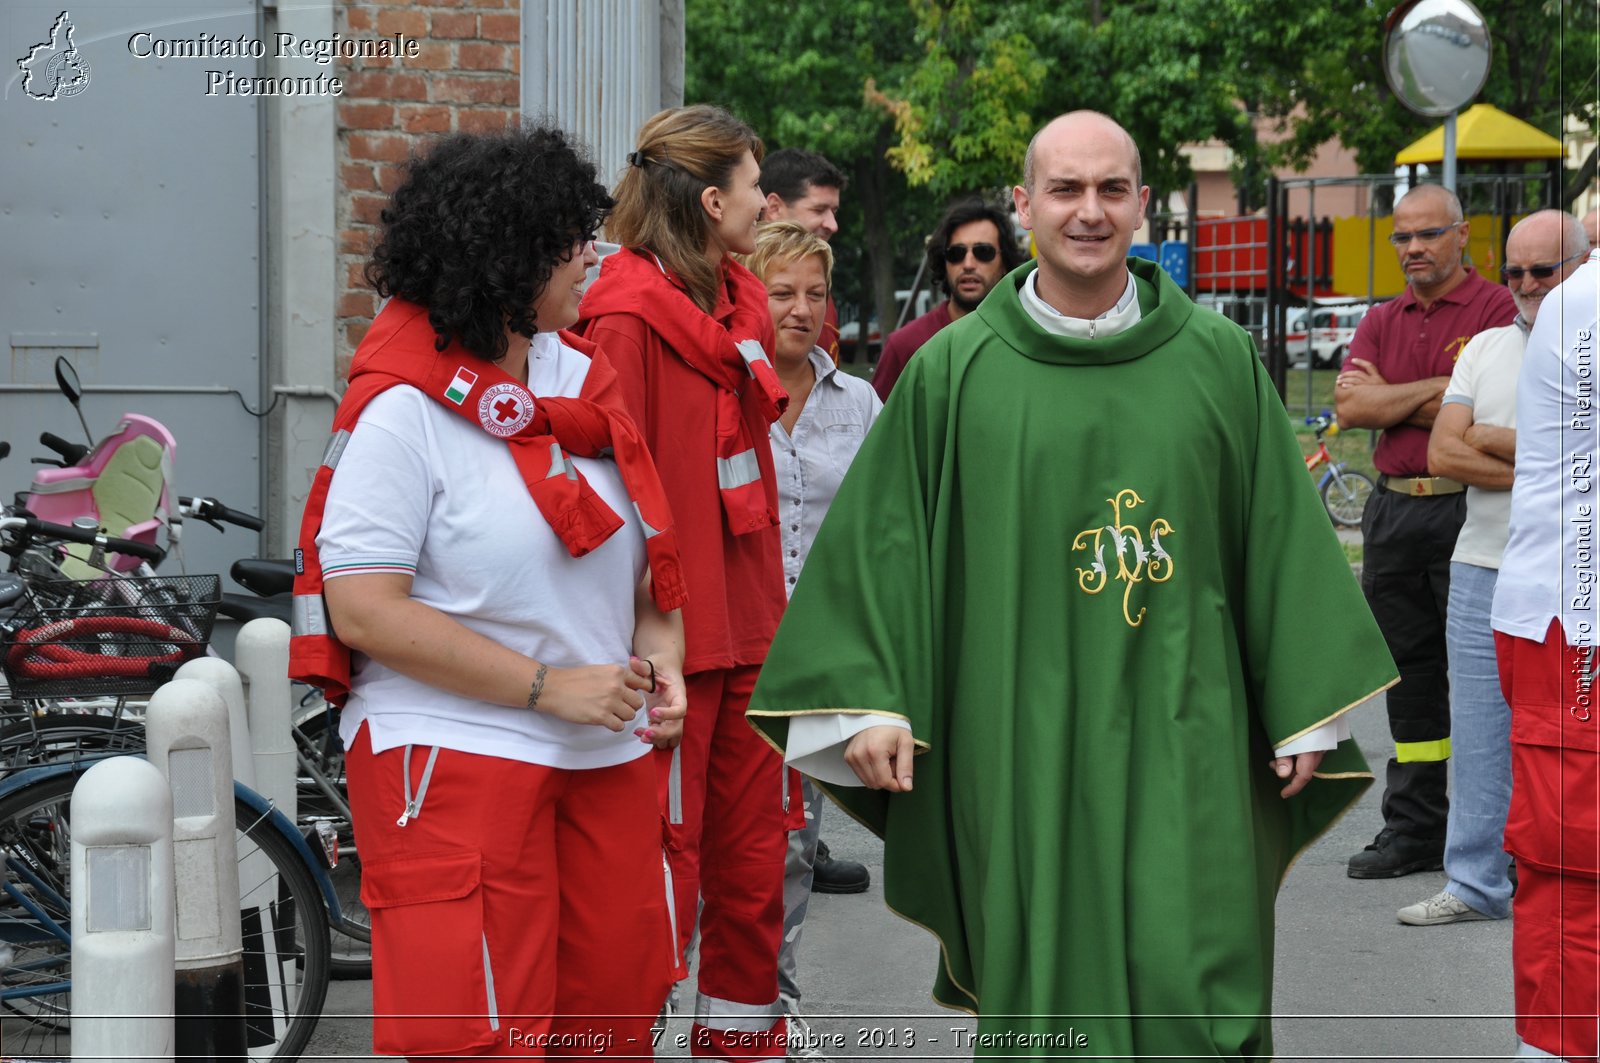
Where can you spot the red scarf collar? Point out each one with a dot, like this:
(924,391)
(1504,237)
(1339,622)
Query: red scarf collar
(636,282)
(541,432)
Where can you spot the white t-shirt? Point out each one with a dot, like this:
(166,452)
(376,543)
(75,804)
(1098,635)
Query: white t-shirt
(1485,382)
(421,489)
(1549,568)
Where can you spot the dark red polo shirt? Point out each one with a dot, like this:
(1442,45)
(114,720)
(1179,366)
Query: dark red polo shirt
(1405,343)
(903,343)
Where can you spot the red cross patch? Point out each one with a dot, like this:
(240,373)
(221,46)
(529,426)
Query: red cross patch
(505,409)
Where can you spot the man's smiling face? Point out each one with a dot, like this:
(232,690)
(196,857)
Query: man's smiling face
(1085,201)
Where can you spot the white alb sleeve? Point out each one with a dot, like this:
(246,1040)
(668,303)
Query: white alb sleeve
(816,743)
(1325,737)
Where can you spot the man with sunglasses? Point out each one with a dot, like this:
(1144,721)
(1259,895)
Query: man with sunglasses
(1545,631)
(1394,379)
(1474,441)
(970,250)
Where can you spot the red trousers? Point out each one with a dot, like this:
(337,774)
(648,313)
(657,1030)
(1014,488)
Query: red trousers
(520,912)
(1554,832)
(727,799)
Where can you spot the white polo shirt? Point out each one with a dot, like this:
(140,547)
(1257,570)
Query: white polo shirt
(425,491)
(1550,569)
(1485,382)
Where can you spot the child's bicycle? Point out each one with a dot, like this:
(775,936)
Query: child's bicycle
(1344,492)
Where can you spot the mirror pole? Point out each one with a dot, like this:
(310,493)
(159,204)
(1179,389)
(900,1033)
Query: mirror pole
(1449,176)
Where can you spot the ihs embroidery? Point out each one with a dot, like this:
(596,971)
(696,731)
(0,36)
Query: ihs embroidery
(1138,560)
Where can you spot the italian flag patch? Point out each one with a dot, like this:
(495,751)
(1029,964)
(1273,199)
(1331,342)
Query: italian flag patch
(457,391)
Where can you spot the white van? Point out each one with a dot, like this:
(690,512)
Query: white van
(1332,328)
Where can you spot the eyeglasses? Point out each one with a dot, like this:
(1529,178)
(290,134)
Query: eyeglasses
(1427,236)
(956,254)
(1515,273)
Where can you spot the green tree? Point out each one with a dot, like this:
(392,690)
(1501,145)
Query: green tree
(799,71)
(1542,71)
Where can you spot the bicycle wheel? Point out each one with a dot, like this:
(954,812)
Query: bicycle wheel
(322,796)
(284,923)
(1345,494)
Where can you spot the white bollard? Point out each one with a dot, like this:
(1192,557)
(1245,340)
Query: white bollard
(227,682)
(122,913)
(262,653)
(186,728)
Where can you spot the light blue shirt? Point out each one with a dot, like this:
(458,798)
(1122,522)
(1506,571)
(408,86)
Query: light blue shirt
(811,463)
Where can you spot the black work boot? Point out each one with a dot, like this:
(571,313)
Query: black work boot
(837,876)
(1393,854)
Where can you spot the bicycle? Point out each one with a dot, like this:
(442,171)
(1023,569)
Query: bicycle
(284,910)
(1344,491)
(287,899)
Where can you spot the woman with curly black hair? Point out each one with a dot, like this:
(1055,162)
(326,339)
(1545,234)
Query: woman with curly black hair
(502,589)
(690,332)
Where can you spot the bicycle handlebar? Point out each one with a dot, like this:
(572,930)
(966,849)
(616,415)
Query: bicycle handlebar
(211,511)
(72,453)
(45,530)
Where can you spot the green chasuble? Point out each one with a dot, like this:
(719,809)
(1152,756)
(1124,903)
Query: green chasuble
(1096,579)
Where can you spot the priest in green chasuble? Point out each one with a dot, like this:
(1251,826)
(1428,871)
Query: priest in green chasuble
(1053,645)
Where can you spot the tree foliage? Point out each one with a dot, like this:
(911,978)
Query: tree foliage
(923,100)
(1542,71)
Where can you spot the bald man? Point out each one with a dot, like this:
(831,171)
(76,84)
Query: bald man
(1394,379)
(1066,571)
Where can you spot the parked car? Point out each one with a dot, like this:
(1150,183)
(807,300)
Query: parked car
(1328,338)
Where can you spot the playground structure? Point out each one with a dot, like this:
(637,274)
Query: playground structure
(1255,268)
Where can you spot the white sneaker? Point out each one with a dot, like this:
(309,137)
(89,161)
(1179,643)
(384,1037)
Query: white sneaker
(1442,907)
(802,1045)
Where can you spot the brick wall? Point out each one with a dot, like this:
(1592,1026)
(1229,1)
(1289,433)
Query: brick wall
(465,78)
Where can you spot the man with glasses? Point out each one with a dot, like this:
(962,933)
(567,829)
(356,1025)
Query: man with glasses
(1394,379)
(1475,440)
(968,253)
(1545,623)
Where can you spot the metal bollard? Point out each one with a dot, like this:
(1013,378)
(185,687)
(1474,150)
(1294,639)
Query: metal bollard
(122,913)
(186,727)
(228,683)
(262,653)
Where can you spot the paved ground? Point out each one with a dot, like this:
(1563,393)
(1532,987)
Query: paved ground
(1352,983)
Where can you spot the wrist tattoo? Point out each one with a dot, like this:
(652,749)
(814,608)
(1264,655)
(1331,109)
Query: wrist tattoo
(538,687)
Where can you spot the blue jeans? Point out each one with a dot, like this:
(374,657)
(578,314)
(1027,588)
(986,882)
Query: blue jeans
(1480,748)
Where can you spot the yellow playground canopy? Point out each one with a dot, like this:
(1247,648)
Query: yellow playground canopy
(1483,132)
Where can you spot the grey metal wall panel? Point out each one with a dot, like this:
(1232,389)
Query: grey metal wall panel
(137,201)
(595,67)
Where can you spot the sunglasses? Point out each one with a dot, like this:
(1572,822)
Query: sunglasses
(1515,273)
(956,254)
(1427,236)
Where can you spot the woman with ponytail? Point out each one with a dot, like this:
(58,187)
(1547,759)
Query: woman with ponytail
(690,334)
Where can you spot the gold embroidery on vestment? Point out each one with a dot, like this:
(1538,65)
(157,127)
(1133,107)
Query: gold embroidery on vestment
(1150,561)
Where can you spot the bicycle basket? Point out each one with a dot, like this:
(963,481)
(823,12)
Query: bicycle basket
(107,636)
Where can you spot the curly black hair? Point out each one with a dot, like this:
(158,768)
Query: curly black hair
(959,213)
(479,224)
